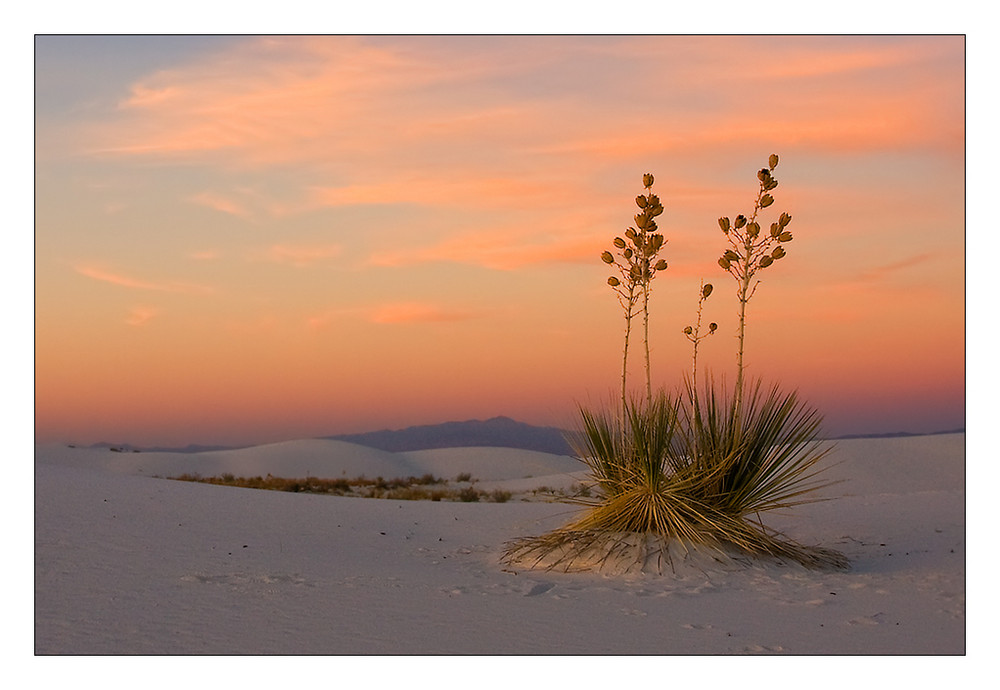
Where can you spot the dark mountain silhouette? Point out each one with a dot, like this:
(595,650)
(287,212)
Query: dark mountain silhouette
(901,434)
(502,432)
(497,432)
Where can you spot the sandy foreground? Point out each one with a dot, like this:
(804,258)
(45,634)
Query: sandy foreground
(127,562)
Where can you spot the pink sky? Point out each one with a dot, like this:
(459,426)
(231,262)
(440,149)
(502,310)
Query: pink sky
(242,240)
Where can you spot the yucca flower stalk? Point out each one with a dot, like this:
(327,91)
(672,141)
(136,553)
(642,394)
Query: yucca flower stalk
(750,252)
(695,335)
(637,265)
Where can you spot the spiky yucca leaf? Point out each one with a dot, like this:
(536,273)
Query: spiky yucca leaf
(766,450)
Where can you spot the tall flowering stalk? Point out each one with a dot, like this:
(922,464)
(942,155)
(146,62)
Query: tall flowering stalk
(695,335)
(751,251)
(635,259)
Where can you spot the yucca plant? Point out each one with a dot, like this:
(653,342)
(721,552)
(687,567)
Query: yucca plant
(692,470)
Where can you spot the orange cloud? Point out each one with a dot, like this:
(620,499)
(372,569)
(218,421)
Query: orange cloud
(140,315)
(879,273)
(220,203)
(137,284)
(416,312)
(457,187)
(301,255)
(498,250)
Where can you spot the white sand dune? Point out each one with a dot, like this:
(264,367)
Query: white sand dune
(127,563)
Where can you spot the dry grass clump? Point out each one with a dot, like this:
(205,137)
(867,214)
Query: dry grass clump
(424,488)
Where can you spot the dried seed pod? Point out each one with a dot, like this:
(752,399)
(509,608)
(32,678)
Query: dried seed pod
(741,220)
(773,161)
(641,220)
(724,262)
(730,255)
(770,184)
(607,258)
(706,291)
(766,261)
(712,326)
(763,174)
(614,282)
(628,253)
(660,265)
(775,230)
(640,201)
(778,253)
(647,180)
(784,220)
(753,229)
(619,242)
(631,234)
(766,200)
(785,237)
(724,224)
(688,330)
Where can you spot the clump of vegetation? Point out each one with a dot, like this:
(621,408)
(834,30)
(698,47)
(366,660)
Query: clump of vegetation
(693,470)
(424,488)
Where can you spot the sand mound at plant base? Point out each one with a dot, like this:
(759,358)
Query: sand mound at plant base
(633,553)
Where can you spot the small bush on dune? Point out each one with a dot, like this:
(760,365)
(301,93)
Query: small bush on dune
(500,496)
(468,495)
(693,469)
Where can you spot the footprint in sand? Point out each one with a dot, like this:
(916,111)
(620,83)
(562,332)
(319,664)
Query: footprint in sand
(759,648)
(540,588)
(867,620)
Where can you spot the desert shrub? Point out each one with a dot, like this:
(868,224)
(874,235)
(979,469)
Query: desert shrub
(464,477)
(468,494)
(426,479)
(500,496)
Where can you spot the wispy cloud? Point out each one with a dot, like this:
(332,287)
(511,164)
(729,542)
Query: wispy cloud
(498,250)
(140,315)
(124,281)
(300,255)
(323,99)
(881,272)
(417,312)
(221,203)
(393,313)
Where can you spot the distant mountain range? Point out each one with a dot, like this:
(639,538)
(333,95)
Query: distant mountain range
(499,432)
(502,432)
(900,434)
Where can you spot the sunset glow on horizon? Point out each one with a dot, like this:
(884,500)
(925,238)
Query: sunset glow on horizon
(248,239)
